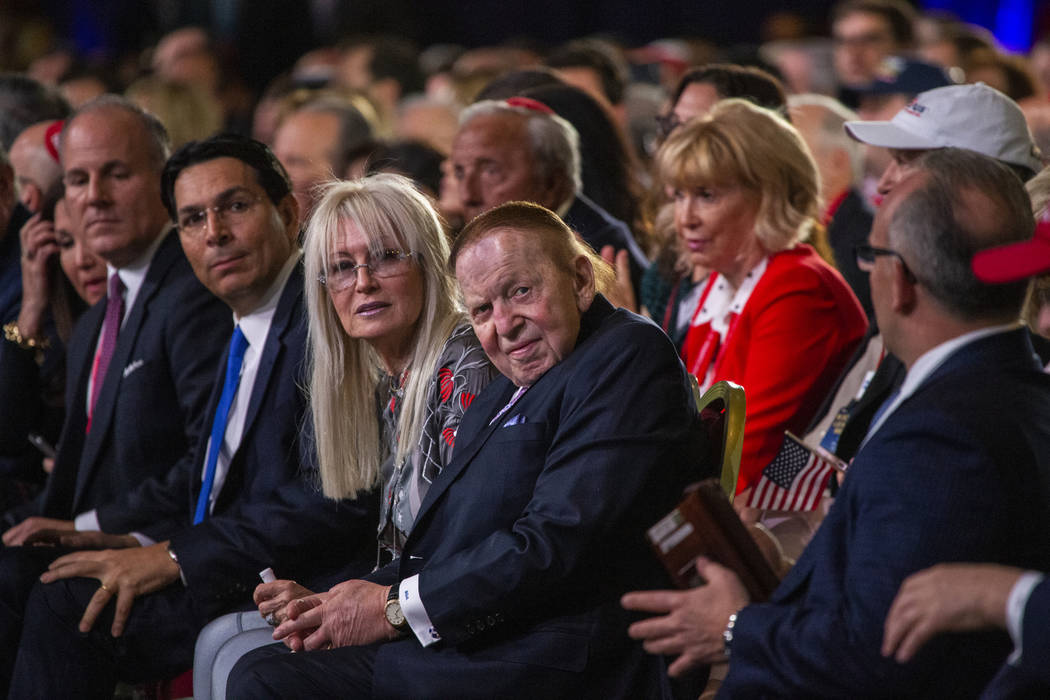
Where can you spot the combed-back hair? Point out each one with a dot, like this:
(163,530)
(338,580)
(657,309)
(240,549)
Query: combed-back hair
(344,371)
(966,202)
(560,243)
(555,143)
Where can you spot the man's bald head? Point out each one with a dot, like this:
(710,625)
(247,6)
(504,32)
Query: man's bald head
(38,173)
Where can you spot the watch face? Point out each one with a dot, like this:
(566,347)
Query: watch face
(394,615)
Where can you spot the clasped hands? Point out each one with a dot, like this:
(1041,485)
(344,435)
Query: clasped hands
(350,613)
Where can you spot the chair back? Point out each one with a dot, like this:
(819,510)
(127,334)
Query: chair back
(722,410)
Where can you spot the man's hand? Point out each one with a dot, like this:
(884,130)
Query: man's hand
(272,599)
(622,293)
(693,621)
(17,536)
(352,613)
(87,539)
(122,573)
(946,598)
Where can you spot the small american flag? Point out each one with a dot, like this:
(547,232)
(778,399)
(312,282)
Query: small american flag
(794,480)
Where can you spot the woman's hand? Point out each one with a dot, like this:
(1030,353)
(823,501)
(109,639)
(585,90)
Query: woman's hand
(38,247)
(273,599)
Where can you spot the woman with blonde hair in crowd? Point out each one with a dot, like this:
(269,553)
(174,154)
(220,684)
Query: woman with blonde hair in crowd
(772,316)
(394,366)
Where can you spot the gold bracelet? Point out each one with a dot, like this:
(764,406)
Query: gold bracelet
(12,333)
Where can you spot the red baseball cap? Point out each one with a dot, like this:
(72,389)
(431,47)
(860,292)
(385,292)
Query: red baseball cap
(1015,261)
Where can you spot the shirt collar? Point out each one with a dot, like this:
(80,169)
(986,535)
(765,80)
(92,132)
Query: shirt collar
(929,361)
(134,274)
(256,324)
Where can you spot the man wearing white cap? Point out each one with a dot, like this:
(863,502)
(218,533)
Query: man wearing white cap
(974,117)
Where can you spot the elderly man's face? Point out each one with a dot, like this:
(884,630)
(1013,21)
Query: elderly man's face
(238,251)
(884,269)
(492,163)
(113,183)
(901,165)
(525,310)
(306,143)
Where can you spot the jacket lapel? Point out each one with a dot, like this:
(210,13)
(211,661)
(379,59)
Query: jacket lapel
(126,342)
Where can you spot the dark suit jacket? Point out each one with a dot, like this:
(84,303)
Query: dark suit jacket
(149,411)
(270,511)
(1030,678)
(959,472)
(529,536)
(599,228)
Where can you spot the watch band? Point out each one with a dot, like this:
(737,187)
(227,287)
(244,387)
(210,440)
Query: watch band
(727,635)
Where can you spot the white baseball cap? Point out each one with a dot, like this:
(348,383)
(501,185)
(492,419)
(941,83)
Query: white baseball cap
(975,117)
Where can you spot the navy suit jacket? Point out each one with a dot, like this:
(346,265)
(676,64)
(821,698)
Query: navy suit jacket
(530,535)
(959,472)
(148,414)
(1030,678)
(270,511)
(599,228)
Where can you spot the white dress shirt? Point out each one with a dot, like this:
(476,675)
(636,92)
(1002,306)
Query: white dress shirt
(256,327)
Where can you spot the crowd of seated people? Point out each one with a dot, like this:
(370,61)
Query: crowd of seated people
(373,385)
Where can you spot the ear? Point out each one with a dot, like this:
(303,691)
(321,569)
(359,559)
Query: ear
(557,190)
(31,196)
(289,211)
(583,282)
(904,289)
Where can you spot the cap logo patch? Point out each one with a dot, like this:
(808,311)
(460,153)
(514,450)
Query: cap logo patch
(915,108)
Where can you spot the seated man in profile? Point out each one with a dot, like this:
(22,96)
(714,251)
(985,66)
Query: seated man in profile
(508,583)
(955,468)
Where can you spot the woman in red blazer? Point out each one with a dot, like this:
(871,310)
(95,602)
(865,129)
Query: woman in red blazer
(772,316)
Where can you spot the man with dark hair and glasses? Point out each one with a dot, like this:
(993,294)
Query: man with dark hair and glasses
(245,499)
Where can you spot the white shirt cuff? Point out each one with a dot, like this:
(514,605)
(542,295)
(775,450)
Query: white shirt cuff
(87,522)
(143,540)
(1015,605)
(415,614)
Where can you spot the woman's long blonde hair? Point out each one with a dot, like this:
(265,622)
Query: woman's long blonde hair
(344,371)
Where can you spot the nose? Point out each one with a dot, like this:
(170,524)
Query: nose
(366,281)
(81,257)
(97,190)
(505,320)
(216,231)
(890,177)
(470,188)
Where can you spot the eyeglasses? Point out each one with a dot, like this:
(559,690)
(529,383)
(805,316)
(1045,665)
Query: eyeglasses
(230,212)
(342,274)
(866,255)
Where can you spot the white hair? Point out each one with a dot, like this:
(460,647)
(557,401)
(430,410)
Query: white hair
(555,143)
(832,132)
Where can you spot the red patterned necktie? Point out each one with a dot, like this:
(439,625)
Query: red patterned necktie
(110,330)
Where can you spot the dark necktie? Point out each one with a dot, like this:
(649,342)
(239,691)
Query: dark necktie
(110,331)
(238,345)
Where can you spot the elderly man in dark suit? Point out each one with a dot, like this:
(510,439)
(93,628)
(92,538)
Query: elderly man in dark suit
(956,467)
(520,150)
(508,583)
(246,500)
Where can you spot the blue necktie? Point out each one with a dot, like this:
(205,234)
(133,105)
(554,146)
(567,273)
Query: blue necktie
(218,427)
